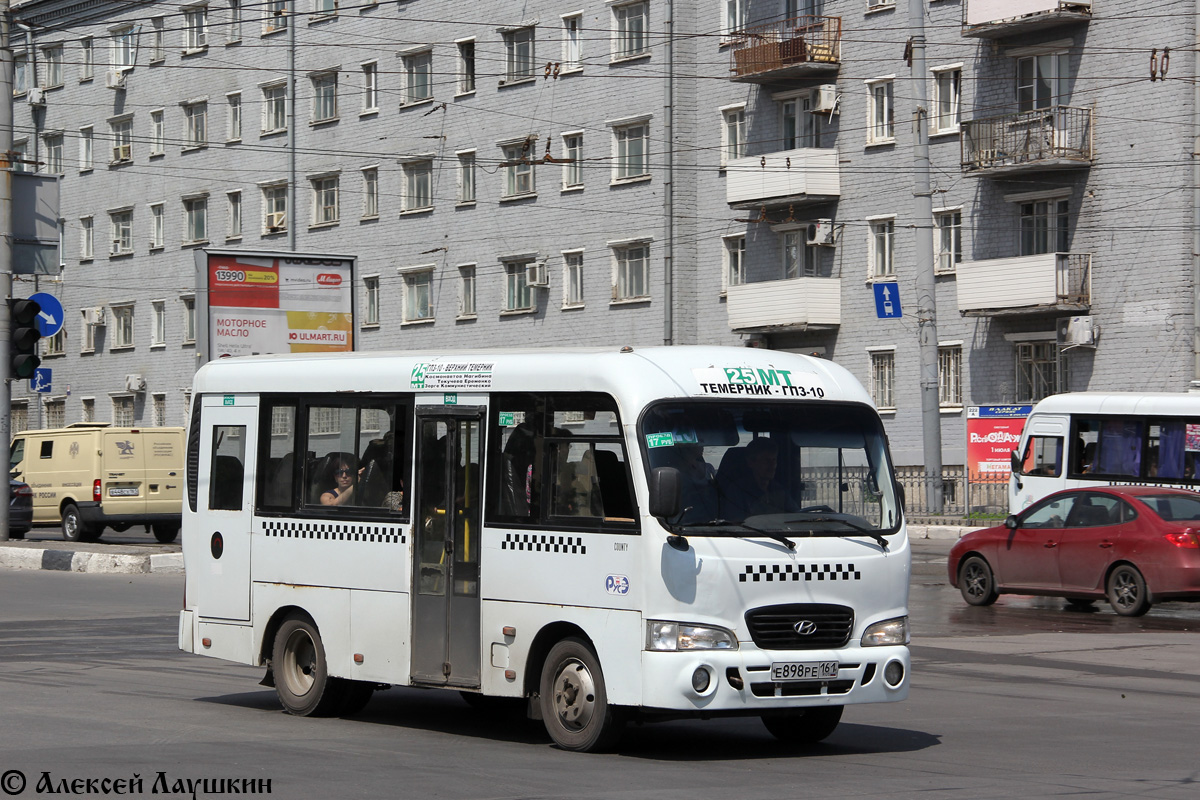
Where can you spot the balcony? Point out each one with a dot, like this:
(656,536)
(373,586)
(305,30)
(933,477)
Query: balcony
(794,304)
(787,177)
(1058,137)
(994,19)
(789,48)
(1025,285)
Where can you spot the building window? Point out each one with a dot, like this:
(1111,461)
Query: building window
(733,16)
(234,31)
(466,177)
(572,47)
(20,156)
(157,226)
(418,186)
(325,8)
(371,310)
(55,345)
(573,160)
(159,402)
(883,377)
(274,208)
(370,206)
(418,296)
(883,234)
(20,73)
(418,77)
(734,273)
(950,375)
(1045,226)
(85,148)
(19,415)
(573,278)
(196,115)
(87,330)
(518,170)
(158,40)
(86,238)
(195,28)
(122,140)
(630,22)
(632,272)
(518,296)
(54,154)
(947,226)
(52,66)
(881,124)
(324,97)
(122,47)
(195,212)
(632,158)
(88,410)
(121,226)
(519,55)
(799,257)
(733,134)
(370,76)
(274,108)
(233,204)
(122,326)
(158,323)
(123,412)
(947,89)
(275,15)
(87,59)
(1042,81)
(1037,370)
(325,200)
(158,134)
(189,319)
(466,291)
(466,66)
(234,133)
(56,413)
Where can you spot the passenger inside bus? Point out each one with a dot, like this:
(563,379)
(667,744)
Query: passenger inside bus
(698,485)
(343,478)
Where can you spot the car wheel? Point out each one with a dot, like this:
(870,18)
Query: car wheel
(1127,591)
(808,727)
(16,534)
(302,681)
(976,582)
(575,707)
(165,533)
(73,527)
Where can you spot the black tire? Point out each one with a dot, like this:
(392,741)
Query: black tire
(976,582)
(121,527)
(73,527)
(1127,591)
(1081,603)
(16,534)
(807,727)
(302,680)
(494,706)
(165,533)
(355,696)
(575,707)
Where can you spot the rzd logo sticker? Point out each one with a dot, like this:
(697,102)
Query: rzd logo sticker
(617,584)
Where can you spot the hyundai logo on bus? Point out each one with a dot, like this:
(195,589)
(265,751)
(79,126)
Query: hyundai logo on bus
(805,627)
(617,584)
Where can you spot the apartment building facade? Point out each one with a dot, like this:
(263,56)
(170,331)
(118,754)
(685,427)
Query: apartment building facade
(541,172)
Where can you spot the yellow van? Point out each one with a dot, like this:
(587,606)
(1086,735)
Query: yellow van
(90,476)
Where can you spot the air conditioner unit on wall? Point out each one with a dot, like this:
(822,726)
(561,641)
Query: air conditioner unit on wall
(135,383)
(115,79)
(276,221)
(36,97)
(820,232)
(827,99)
(123,152)
(536,274)
(94,316)
(1077,332)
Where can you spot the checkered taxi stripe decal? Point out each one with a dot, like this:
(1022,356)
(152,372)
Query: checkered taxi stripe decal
(794,572)
(333,531)
(543,543)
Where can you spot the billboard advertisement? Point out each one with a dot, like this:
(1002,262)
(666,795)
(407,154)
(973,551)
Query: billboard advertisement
(992,433)
(259,302)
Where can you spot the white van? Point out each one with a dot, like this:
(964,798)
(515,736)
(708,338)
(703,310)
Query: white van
(90,476)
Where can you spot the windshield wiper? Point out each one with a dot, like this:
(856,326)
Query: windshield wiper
(715,523)
(874,534)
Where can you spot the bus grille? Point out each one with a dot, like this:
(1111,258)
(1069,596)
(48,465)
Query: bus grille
(774,627)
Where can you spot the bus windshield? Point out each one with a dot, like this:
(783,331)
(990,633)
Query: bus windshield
(775,467)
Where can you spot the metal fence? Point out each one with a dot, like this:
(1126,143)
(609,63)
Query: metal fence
(1074,278)
(1027,137)
(785,44)
(973,498)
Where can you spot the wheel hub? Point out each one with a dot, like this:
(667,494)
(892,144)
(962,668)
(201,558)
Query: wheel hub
(574,695)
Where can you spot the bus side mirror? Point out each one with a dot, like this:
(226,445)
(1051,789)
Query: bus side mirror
(1014,460)
(1011,522)
(665,492)
(900,494)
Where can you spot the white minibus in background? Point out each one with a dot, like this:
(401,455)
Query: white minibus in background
(605,535)
(1089,438)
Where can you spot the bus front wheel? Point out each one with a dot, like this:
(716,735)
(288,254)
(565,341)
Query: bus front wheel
(809,727)
(302,680)
(575,707)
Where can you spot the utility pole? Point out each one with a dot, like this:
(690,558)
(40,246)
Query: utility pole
(931,418)
(6,236)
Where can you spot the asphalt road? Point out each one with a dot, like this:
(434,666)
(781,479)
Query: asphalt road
(1022,699)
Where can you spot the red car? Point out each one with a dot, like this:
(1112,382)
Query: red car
(1135,545)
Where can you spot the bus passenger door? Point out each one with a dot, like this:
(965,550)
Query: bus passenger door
(446,540)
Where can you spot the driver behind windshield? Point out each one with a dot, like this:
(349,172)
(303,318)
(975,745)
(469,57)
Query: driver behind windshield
(751,489)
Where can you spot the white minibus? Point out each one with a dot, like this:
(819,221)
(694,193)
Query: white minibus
(604,535)
(1087,438)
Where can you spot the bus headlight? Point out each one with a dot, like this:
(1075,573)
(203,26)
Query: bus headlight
(677,636)
(890,631)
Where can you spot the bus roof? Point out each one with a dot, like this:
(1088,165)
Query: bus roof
(635,375)
(1151,403)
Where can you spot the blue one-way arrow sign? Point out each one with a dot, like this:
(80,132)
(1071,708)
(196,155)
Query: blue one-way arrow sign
(50,318)
(887,301)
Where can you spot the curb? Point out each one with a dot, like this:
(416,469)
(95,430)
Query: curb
(71,561)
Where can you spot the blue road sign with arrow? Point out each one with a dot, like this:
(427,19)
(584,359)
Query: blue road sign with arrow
(887,301)
(50,319)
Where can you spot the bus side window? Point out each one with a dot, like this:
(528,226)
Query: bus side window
(227,468)
(278,458)
(1043,456)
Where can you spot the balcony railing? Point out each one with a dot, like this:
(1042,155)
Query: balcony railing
(790,304)
(795,46)
(786,177)
(1025,284)
(997,18)
(1045,138)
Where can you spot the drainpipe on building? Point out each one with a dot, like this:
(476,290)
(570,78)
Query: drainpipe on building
(1195,384)
(669,187)
(6,220)
(293,217)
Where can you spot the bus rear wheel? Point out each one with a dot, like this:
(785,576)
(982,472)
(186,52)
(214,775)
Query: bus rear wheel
(808,727)
(574,700)
(302,680)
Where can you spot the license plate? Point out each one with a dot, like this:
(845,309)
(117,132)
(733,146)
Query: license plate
(803,670)
(115,491)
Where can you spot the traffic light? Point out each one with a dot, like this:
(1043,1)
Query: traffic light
(22,315)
